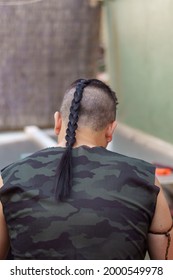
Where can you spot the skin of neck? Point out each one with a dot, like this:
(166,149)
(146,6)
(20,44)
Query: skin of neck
(84,135)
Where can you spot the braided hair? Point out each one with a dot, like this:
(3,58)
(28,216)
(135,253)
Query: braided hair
(95,112)
(64,172)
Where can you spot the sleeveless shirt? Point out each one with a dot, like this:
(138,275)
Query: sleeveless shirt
(107,215)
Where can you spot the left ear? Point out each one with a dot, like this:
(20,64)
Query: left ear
(58,122)
(110,130)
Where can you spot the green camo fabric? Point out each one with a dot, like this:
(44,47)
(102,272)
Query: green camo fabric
(107,216)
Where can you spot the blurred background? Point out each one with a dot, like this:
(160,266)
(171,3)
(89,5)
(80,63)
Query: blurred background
(46,44)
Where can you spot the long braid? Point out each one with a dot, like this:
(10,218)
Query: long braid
(64,171)
(73,117)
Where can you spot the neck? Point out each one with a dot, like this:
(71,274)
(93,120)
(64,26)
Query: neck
(85,136)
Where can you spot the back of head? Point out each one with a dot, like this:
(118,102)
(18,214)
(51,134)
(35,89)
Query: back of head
(97,105)
(87,103)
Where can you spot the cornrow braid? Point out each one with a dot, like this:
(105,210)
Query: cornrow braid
(64,170)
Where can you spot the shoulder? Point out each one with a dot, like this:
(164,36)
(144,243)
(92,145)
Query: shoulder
(34,160)
(120,160)
(135,163)
(140,170)
(39,155)
(128,167)
(31,165)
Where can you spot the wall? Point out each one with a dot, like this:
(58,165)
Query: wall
(139,42)
(44,46)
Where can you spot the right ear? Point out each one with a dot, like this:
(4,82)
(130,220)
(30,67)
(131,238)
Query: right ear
(58,122)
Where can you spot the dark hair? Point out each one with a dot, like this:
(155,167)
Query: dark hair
(77,110)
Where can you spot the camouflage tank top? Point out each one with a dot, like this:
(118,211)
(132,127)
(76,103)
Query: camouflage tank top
(107,216)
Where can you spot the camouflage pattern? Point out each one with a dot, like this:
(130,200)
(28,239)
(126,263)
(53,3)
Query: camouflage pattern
(106,217)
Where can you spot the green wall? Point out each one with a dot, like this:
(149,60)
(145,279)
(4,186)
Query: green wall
(139,43)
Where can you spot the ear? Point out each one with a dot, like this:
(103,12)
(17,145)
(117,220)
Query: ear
(110,130)
(58,122)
